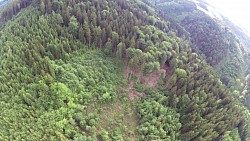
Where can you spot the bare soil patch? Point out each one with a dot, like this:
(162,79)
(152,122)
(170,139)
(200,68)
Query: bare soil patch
(132,93)
(168,72)
(150,80)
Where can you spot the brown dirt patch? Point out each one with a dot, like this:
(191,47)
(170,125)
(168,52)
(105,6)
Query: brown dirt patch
(168,72)
(129,72)
(126,73)
(132,93)
(151,79)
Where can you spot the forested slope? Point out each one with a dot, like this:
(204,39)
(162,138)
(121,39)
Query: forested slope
(211,37)
(108,70)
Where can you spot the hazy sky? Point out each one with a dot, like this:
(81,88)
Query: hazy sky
(236,10)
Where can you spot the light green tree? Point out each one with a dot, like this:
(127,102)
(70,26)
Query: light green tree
(73,26)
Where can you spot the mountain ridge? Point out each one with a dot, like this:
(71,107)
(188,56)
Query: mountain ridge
(237,29)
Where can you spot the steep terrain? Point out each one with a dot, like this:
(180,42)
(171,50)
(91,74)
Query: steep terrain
(114,70)
(223,44)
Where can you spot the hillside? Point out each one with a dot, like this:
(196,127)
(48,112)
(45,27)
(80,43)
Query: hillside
(114,70)
(223,44)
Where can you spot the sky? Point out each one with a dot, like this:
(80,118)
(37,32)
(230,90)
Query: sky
(238,11)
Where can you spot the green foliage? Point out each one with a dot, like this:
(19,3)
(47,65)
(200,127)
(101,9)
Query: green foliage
(42,6)
(231,136)
(132,52)
(213,39)
(48,93)
(152,66)
(180,73)
(119,52)
(104,136)
(60,95)
(172,81)
(73,26)
(56,84)
(157,122)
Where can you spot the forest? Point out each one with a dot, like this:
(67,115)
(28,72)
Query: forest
(119,70)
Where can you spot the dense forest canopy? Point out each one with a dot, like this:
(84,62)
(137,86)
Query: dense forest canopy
(119,70)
